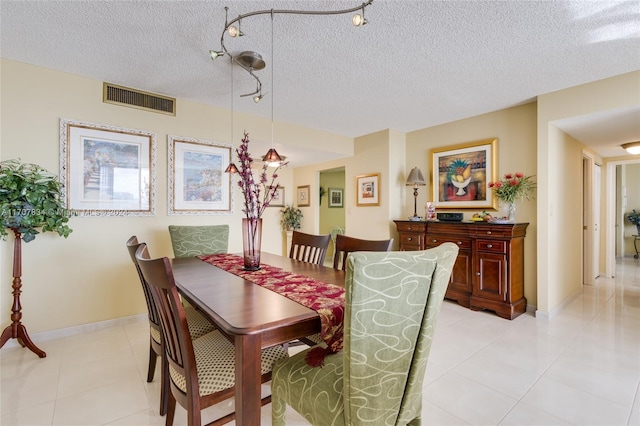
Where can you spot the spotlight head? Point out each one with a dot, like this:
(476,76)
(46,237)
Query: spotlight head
(215,53)
(257,98)
(234,31)
(358,20)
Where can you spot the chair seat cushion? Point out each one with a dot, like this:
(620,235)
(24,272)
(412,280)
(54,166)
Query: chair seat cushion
(314,392)
(198,324)
(215,361)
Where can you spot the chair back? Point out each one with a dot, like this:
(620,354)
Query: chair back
(188,241)
(175,331)
(309,248)
(346,245)
(392,304)
(154,319)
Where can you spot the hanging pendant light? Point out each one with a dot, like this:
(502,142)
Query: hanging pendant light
(231,168)
(272,158)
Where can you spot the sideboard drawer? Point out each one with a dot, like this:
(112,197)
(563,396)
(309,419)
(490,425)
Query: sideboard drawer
(411,227)
(492,246)
(436,240)
(411,239)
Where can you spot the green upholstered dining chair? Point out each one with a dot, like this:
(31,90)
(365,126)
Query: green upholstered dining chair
(392,302)
(202,370)
(190,241)
(198,326)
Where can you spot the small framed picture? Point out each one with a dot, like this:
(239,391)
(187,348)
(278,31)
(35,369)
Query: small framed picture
(304,196)
(278,198)
(368,189)
(335,197)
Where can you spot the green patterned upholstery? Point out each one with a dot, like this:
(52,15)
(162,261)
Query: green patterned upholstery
(392,305)
(190,241)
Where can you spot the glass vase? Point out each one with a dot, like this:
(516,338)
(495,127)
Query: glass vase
(509,211)
(251,241)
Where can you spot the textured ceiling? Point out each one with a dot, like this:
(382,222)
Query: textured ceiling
(415,65)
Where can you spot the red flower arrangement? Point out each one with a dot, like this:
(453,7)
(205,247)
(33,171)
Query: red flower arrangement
(513,186)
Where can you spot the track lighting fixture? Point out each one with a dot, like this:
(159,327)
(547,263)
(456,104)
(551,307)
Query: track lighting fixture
(358,20)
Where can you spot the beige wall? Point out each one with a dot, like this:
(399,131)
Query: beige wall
(559,272)
(89,277)
(515,129)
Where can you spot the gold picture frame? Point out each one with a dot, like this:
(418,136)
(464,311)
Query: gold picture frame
(303,197)
(278,197)
(368,190)
(461,174)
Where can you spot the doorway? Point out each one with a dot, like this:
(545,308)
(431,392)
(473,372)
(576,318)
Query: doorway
(617,203)
(332,211)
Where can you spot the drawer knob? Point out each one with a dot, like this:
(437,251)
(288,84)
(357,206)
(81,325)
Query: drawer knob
(478,273)
(459,243)
(409,239)
(488,232)
(435,241)
(489,245)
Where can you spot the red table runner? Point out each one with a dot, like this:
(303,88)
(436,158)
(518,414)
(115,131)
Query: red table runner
(326,299)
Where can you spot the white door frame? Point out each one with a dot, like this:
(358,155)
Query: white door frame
(588,233)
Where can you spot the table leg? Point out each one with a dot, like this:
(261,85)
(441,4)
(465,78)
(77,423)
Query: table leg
(248,356)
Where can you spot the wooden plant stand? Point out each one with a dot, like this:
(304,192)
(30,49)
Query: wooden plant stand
(17,330)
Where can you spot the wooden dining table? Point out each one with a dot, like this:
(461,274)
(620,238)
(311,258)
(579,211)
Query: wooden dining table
(253,316)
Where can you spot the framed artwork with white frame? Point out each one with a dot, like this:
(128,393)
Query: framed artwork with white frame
(107,170)
(198,183)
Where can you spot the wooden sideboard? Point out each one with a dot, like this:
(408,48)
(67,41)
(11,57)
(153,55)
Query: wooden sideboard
(489,271)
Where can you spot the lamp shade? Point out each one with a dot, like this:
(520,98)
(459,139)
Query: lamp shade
(231,168)
(632,147)
(415,178)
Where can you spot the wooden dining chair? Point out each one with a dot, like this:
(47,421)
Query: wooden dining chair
(308,247)
(202,370)
(188,241)
(346,245)
(198,326)
(392,303)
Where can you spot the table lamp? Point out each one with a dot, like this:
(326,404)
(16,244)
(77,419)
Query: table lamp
(415,179)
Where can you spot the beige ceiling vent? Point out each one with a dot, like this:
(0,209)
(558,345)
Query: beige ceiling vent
(119,95)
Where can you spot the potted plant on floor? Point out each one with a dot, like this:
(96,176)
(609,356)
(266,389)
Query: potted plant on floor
(290,220)
(29,204)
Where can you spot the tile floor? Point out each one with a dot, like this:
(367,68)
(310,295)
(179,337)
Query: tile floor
(580,368)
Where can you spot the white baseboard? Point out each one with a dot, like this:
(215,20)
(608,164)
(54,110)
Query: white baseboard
(79,329)
(548,316)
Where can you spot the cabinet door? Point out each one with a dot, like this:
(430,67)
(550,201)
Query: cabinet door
(461,278)
(491,277)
